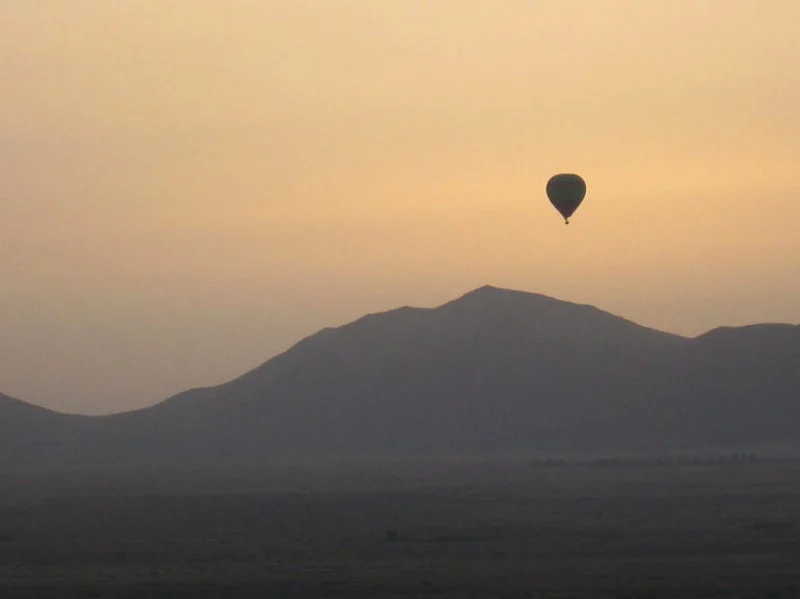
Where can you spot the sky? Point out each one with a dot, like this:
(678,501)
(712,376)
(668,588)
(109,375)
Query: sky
(189,187)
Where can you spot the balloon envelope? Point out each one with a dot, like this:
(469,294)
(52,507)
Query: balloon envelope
(566,192)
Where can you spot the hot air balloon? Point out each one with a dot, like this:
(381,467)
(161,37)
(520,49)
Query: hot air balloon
(566,192)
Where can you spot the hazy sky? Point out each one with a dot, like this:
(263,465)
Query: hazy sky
(188,187)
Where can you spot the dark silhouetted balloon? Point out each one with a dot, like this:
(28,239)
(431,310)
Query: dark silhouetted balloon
(566,192)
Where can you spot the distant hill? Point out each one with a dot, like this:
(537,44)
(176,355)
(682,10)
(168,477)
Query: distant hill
(492,372)
(29,434)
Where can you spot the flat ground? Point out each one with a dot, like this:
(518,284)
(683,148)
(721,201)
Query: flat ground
(446,530)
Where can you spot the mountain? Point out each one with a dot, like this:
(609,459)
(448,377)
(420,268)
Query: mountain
(494,371)
(30,433)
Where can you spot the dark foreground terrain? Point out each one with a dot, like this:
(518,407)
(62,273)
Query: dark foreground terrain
(540,530)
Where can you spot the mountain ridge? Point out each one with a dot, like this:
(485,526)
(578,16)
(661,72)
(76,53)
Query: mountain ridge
(492,370)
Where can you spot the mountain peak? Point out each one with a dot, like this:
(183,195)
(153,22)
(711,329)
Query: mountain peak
(485,289)
(488,299)
(490,293)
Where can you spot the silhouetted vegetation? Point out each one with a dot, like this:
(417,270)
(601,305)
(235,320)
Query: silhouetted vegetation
(391,535)
(666,460)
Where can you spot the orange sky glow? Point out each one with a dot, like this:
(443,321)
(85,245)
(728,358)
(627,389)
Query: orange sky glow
(190,186)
